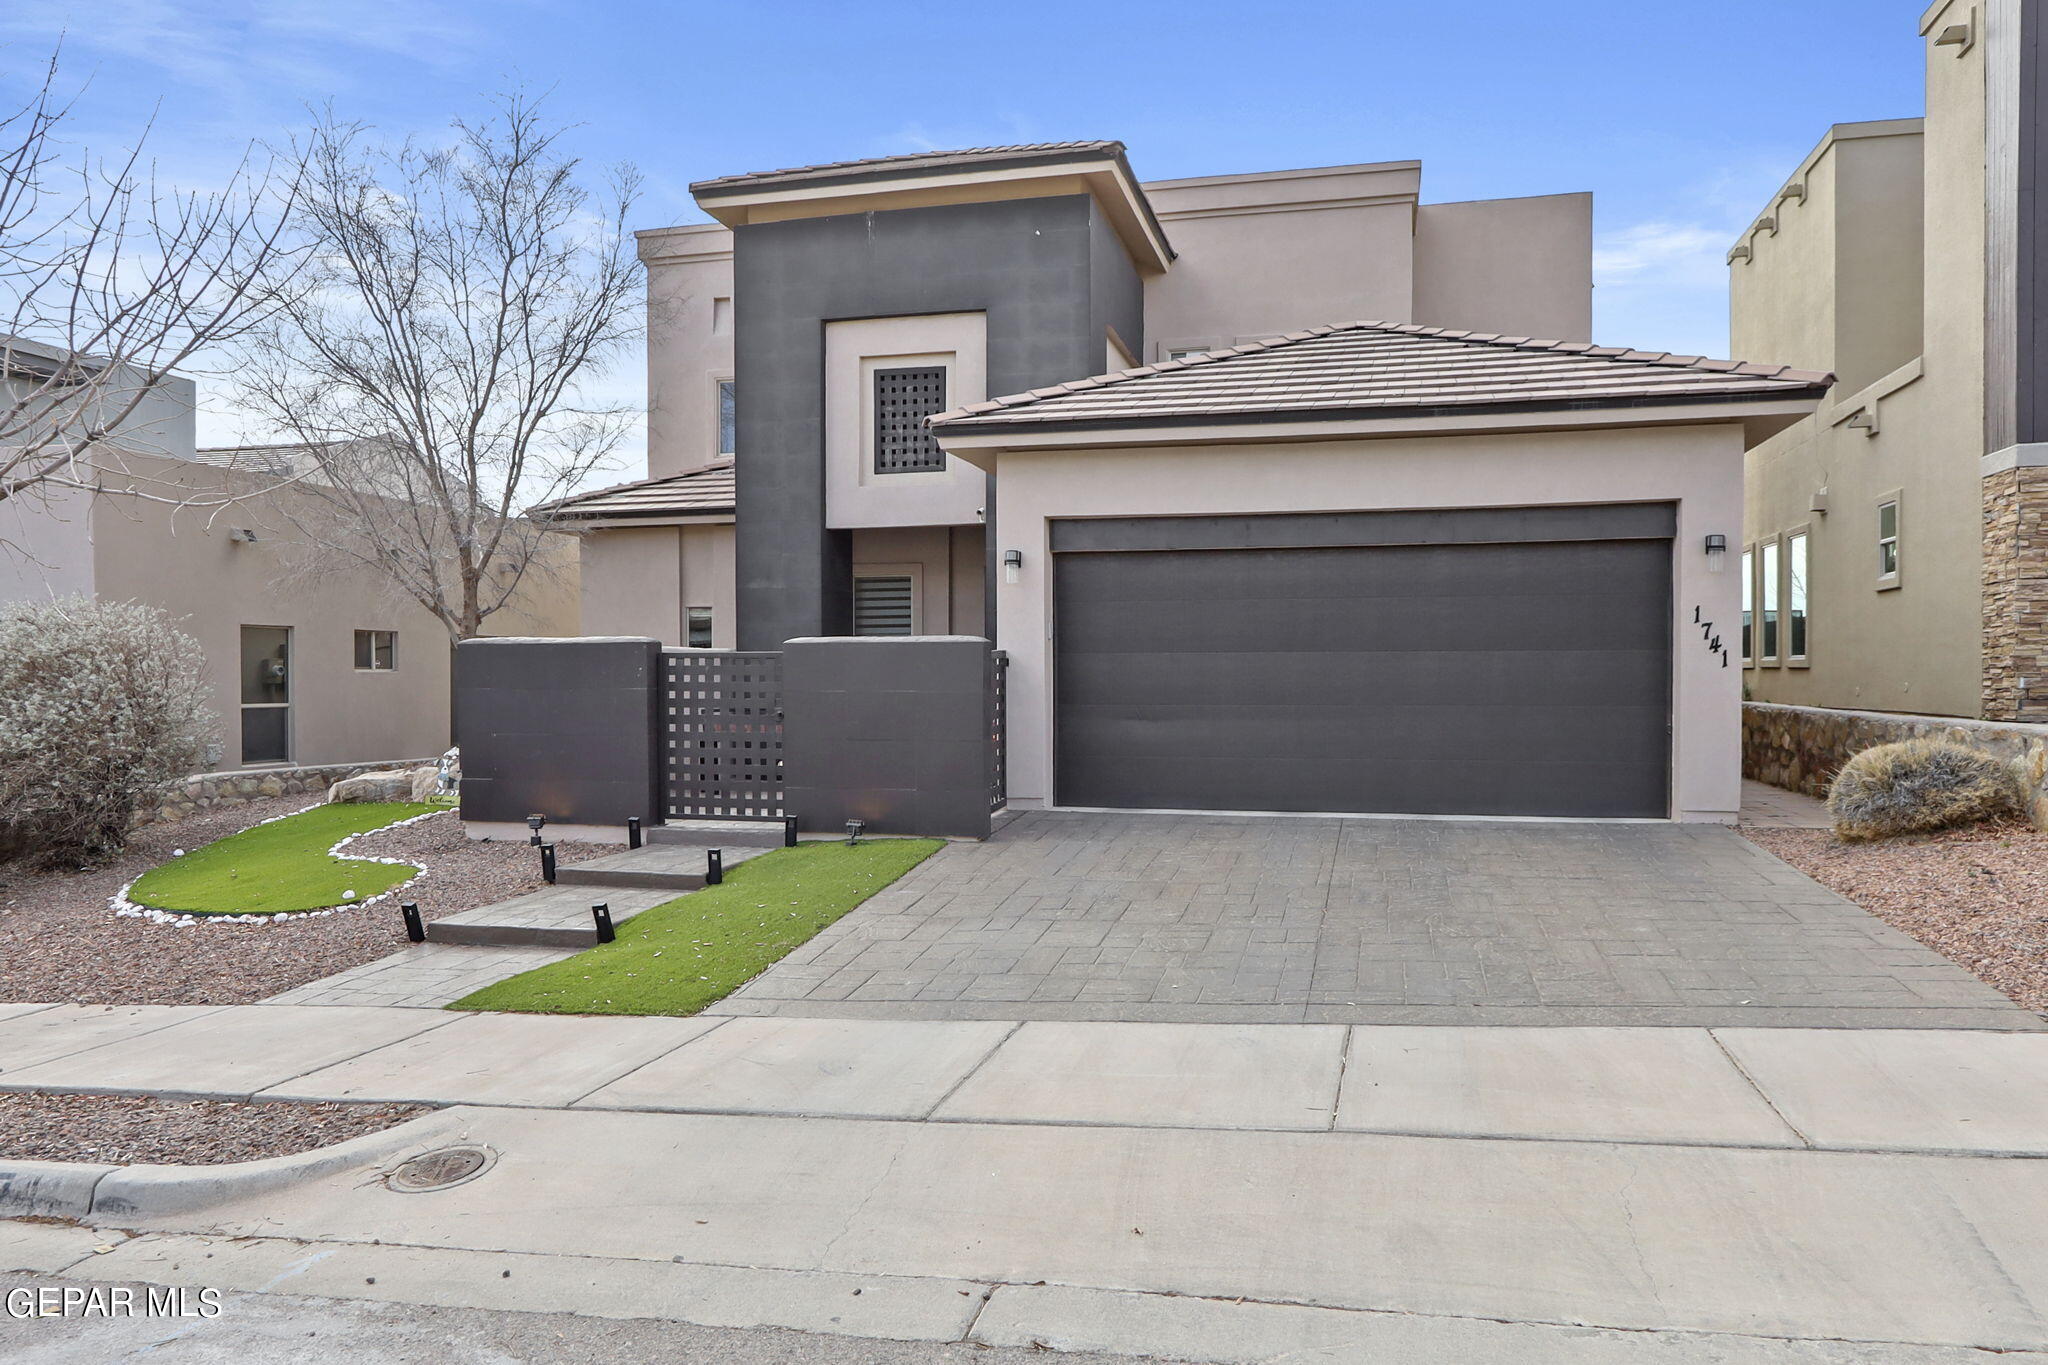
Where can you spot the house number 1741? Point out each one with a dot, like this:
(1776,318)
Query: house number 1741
(1713,641)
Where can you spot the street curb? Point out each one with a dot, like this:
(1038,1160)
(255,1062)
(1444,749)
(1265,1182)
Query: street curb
(99,1193)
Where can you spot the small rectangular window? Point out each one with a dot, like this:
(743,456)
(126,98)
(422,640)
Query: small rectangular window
(1749,607)
(903,399)
(882,606)
(699,626)
(1768,608)
(377,650)
(1888,539)
(728,417)
(1795,595)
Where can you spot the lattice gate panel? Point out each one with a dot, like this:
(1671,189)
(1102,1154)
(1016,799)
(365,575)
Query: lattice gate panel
(998,795)
(722,734)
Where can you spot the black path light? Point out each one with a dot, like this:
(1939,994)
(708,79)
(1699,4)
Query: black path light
(853,831)
(714,866)
(632,831)
(789,831)
(534,822)
(601,914)
(547,863)
(414,929)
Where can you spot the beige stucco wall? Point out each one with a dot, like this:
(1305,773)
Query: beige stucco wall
(1844,282)
(1522,267)
(689,342)
(855,495)
(1697,467)
(638,580)
(945,565)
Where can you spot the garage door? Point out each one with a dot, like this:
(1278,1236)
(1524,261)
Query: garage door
(1493,661)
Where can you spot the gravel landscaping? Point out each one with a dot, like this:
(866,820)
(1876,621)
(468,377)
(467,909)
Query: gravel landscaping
(118,1130)
(1979,897)
(64,943)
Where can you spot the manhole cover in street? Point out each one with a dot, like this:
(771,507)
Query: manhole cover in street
(438,1170)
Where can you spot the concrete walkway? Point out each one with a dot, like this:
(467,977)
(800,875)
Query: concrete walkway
(1199,1192)
(1926,1091)
(1767,807)
(1199,919)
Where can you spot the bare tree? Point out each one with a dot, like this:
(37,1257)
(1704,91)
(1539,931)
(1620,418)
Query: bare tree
(433,356)
(108,285)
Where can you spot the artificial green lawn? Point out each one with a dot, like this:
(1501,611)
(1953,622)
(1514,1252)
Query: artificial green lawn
(281,866)
(694,951)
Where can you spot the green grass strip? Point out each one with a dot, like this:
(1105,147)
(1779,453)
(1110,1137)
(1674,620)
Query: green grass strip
(280,866)
(691,952)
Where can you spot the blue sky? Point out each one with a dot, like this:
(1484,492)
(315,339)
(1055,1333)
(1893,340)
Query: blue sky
(1681,116)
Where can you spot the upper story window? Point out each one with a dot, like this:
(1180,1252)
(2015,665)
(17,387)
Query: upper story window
(728,417)
(377,650)
(1888,543)
(903,399)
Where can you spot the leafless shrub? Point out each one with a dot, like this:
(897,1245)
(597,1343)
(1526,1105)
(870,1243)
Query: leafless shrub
(1919,786)
(101,703)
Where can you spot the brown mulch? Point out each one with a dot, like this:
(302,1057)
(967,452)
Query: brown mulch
(1979,897)
(122,1129)
(60,942)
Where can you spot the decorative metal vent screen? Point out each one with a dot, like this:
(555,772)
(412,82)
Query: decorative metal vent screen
(903,399)
(881,606)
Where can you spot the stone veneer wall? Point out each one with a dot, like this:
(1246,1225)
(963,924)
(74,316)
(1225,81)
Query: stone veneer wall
(1800,748)
(203,791)
(2015,600)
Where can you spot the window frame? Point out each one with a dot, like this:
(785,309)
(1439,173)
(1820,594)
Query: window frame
(1770,639)
(690,627)
(719,383)
(1189,346)
(392,650)
(1895,500)
(1802,535)
(912,572)
(244,706)
(1751,626)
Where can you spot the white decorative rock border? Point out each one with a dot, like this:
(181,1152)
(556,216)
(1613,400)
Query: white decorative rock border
(122,906)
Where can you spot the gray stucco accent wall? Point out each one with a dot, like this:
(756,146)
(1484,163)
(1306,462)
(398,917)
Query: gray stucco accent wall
(1048,273)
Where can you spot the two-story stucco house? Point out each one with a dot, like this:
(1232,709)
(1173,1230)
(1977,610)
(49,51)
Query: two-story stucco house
(1243,552)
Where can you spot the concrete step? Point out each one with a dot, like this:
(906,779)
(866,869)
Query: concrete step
(558,917)
(718,833)
(675,867)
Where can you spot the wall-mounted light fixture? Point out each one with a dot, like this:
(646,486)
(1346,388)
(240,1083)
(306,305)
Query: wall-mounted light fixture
(1013,564)
(1818,504)
(1717,553)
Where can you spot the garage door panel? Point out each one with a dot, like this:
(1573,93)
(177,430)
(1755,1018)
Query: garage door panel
(1363,680)
(1469,678)
(1502,734)
(1590,790)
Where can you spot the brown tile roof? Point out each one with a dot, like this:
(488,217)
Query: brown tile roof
(1367,369)
(914,162)
(707,491)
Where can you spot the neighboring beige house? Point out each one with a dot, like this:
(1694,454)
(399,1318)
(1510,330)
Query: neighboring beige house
(1242,551)
(1895,553)
(309,663)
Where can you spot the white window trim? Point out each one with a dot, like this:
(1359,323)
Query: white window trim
(1770,551)
(913,572)
(1896,498)
(1804,531)
(1749,600)
(717,379)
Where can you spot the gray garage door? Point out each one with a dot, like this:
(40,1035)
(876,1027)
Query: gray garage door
(1493,662)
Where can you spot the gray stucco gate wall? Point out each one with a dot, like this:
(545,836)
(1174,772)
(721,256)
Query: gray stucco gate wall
(900,733)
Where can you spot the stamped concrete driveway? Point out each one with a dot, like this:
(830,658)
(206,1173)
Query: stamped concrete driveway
(1225,920)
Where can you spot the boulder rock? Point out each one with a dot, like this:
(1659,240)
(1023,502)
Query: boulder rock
(426,783)
(391,784)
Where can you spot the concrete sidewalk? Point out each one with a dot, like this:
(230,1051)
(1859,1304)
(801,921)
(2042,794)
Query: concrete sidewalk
(1906,1090)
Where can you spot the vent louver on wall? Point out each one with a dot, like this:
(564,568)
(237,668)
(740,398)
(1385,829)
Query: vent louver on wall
(881,606)
(903,399)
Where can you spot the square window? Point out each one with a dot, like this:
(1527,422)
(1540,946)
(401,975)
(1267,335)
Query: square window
(377,650)
(698,624)
(903,399)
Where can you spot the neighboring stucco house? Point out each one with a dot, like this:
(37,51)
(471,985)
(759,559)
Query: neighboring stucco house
(309,663)
(1896,543)
(1460,562)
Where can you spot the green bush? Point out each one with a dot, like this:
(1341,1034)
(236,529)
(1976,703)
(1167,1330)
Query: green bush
(1919,786)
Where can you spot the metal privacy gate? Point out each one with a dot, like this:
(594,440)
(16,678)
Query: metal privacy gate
(721,734)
